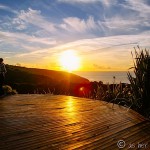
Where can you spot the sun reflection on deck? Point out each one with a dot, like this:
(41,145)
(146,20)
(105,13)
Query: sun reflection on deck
(71,108)
(70,105)
(73,117)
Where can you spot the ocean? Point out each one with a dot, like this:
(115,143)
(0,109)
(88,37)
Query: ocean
(105,77)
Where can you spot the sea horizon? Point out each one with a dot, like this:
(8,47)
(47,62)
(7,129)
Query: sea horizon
(105,76)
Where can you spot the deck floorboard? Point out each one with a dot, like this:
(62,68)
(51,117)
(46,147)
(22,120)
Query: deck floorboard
(65,122)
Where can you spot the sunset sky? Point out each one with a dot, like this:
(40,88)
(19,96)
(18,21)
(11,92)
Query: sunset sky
(101,33)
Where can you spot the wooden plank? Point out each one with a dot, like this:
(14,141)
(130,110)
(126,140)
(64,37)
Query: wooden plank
(65,122)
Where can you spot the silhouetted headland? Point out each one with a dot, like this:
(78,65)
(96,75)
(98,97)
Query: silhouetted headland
(41,81)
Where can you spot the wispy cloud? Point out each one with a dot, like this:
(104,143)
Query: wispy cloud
(33,53)
(98,45)
(111,24)
(133,18)
(6,52)
(79,25)
(119,25)
(33,17)
(98,67)
(141,10)
(24,41)
(106,2)
(25,37)
(140,6)
(78,1)
(6,8)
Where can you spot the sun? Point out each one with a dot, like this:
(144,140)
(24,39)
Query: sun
(69,60)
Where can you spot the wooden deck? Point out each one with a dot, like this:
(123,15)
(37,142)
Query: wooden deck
(62,122)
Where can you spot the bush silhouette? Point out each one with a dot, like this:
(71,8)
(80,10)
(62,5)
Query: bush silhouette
(8,90)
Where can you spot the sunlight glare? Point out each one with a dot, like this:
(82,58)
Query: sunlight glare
(69,60)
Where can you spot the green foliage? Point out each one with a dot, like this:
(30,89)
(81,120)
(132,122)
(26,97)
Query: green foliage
(140,85)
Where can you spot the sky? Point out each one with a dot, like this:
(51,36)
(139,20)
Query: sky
(34,33)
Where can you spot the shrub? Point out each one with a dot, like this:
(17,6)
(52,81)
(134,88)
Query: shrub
(140,85)
(115,93)
(8,90)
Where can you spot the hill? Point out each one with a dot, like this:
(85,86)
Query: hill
(33,80)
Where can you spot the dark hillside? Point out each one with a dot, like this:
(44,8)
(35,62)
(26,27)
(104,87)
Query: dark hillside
(32,80)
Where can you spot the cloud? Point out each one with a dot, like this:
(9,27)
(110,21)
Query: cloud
(33,53)
(141,10)
(140,6)
(108,3)
(133,18)
(79,25)
(103,45)
(6,52)
(33,17)
(19,24)
(113,23)
(24,41)
(118,24)
(102,50)
(105,2)
(6,8)
(101,67)
(78,1)
(25,37)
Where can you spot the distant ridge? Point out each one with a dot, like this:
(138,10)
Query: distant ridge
(27,80)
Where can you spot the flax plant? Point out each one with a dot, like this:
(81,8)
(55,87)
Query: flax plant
(140,84)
